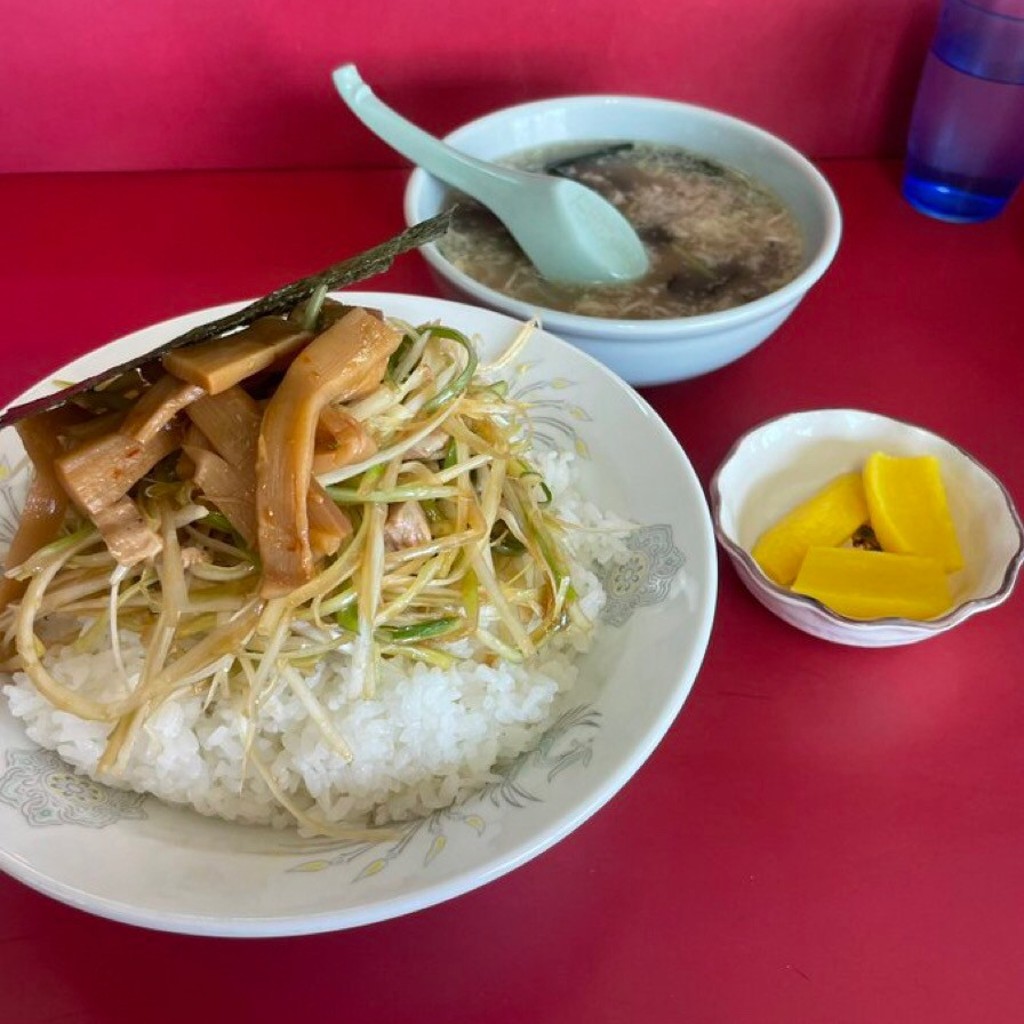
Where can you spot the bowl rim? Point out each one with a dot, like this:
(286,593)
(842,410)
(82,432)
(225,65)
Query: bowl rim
(576,323)
(756,576)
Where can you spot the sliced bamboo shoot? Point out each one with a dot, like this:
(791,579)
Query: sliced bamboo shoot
(340,363)
(224,362)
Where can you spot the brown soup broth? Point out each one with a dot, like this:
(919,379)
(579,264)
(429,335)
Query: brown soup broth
(716,238)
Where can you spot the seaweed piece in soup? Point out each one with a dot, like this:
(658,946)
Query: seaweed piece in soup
(694,282)
(568,167)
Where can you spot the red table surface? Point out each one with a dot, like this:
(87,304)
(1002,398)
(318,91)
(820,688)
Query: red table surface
(825,834)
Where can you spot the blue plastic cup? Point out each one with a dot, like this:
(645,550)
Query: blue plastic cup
(965,152)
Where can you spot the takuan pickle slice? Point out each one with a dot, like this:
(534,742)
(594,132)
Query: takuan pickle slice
(827,519)
(909,510)
(874,584)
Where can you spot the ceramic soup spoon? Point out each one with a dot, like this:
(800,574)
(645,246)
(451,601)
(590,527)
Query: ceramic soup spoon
(568,231)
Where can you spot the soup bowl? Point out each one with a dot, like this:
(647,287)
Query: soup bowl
(647,351)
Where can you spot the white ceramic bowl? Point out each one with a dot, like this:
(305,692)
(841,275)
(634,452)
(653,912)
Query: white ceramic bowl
(780,463)
(647,352)
(135,859)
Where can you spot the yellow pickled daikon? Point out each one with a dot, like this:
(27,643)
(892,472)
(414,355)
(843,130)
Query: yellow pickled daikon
(828,518)
(909,510)
(873,584)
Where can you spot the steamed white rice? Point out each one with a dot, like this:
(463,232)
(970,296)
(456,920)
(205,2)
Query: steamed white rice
(427,738)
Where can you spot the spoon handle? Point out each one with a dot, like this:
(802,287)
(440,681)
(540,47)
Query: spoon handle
(475,178)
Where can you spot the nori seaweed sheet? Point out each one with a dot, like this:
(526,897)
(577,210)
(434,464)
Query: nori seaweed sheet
(339,275)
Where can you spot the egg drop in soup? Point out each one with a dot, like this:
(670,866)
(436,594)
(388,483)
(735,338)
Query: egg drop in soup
(716,238)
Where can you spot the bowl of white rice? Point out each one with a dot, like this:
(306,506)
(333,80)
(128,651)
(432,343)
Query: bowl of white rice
(460,771)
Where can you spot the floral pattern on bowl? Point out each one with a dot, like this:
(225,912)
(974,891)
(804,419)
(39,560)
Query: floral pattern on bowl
(48,792)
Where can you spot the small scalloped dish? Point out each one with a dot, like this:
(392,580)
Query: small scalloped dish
(778,464)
